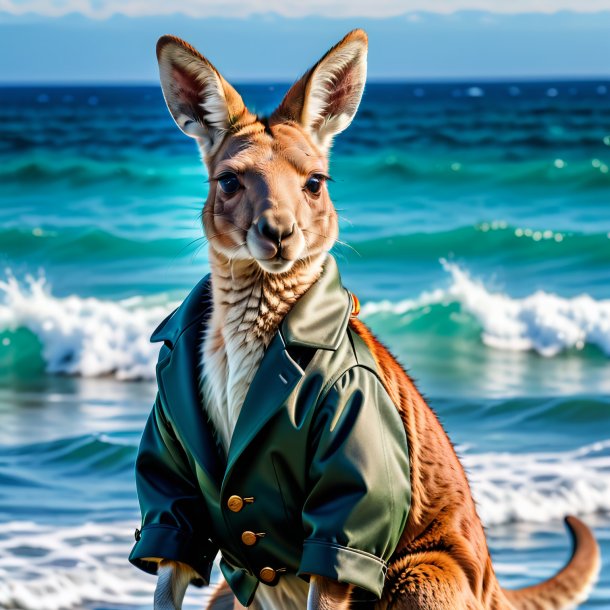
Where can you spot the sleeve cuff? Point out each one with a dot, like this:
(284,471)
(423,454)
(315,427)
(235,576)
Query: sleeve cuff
(167,542)
(343,564)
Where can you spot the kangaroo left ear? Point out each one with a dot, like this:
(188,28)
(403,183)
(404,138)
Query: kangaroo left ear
(202,102)
(325,99)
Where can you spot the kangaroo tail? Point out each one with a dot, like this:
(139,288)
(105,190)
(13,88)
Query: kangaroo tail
(570,586)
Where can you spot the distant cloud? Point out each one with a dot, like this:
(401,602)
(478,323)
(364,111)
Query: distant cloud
(334,8)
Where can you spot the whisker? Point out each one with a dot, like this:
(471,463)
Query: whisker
(314,233)
(197,251)
(307,258)
(346,245)
(175,257)
(206,240)
(236,249)
(204,213)
(337,241)
(202,238)
(224,233)
(198,210)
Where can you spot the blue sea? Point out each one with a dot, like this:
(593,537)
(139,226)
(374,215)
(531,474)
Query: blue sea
(475,221)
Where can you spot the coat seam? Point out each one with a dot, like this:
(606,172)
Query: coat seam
(385,460)
(329,386)
(342,547)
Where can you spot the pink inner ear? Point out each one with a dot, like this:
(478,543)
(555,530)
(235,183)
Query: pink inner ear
(340,91)
(184,86)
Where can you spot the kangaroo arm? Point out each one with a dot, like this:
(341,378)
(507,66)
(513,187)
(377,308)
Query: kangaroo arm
(173,579)
(327,594)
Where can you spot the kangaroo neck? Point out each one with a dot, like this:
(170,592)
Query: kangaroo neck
(248,304)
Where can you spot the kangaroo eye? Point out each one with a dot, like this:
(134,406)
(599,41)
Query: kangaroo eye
(229,183)
(314,184)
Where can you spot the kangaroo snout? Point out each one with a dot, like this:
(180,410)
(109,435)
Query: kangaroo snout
(275,228)
(275,240)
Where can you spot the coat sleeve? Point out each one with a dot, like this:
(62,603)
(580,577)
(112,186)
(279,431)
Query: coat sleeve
(359,484)
(174,517)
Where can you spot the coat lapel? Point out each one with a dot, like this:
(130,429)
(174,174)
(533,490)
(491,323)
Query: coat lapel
(178,384)
(277,376)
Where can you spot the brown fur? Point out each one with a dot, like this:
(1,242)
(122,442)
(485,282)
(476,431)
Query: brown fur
(442,561)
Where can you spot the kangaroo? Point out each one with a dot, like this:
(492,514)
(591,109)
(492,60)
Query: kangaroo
(270,223)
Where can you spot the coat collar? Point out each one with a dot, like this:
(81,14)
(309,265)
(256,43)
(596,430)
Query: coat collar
(317,320)
(196,305)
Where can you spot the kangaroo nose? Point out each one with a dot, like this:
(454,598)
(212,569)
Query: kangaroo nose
(274,231)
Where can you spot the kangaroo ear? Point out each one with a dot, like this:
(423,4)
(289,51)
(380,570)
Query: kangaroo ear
(325,99)
(201,101)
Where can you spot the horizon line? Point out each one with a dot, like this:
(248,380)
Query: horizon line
(566,78)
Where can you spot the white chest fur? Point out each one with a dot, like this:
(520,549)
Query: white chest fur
(231,353)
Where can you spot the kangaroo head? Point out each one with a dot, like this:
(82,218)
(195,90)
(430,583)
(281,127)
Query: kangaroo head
(268,201)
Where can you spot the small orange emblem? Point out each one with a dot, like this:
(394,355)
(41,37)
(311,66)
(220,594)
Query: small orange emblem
(356,305)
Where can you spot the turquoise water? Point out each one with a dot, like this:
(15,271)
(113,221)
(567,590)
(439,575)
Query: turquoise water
(476,222)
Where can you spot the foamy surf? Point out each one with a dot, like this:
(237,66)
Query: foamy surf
(539,487)
(88,337)
(542,322)
(50,567)
(92,337)
(54,567)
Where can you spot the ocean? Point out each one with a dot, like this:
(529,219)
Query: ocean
(475,221)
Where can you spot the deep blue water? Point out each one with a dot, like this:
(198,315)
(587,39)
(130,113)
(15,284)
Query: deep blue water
(476,218)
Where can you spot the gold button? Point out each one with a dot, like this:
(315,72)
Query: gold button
(235,503)
(267,574)
(249,538)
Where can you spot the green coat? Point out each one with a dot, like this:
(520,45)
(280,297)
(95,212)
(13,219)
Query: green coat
(317,475)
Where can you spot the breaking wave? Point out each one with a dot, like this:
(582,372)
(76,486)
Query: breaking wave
(78,336)
(539,487)
(92,337)
(542,322)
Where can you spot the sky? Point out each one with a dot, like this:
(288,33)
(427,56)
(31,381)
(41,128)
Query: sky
(112,41)
(326,8)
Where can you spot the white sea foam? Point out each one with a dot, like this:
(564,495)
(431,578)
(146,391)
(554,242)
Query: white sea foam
(87,337)
(53,567)
(543,322)
(539,487)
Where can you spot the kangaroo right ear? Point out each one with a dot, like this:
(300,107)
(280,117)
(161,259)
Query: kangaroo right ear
(325,99)
(200,100)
